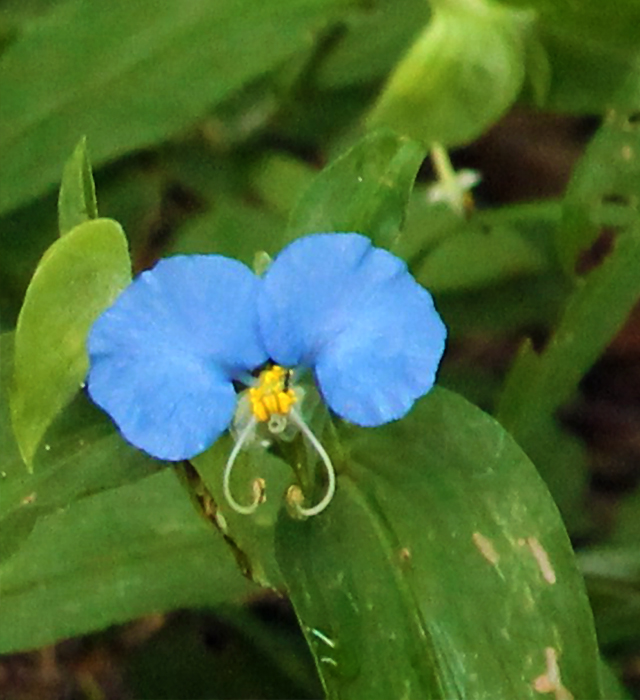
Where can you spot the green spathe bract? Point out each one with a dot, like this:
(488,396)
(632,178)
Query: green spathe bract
(450,87)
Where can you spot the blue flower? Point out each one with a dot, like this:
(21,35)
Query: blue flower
(165,356)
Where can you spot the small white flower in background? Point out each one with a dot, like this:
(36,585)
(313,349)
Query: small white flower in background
(452,188)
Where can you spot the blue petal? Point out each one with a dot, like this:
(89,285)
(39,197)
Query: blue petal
(163,356)
(355,314)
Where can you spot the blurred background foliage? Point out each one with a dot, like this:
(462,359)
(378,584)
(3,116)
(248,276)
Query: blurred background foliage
(234,126)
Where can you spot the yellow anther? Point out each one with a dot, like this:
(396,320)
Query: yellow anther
(272,394)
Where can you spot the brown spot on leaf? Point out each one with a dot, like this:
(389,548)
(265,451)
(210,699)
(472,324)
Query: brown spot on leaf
(542,558)
(550,681)
(486,548)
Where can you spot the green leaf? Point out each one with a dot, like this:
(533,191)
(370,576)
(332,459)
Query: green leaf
(78,277)
(607,175)
(612,687)
(10,453)
(478,258)
(91,538)
(590,47)
(441,569)
(586,72)
(81,455)
(451,87)
(505,300)
(427,223)
(280,179)
(234,228)
(257,658)
(590,21)
(520,303)
(129,75)
(77,199)
(538,384)
(251,536)
(538,71)
(108,558)
(612,572)
(365,190)
(372,43)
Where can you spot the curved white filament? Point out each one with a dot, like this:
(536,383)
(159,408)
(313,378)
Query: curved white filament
(226,488)
(331,473)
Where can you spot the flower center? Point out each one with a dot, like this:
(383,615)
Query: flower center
(271,400)
(272,395)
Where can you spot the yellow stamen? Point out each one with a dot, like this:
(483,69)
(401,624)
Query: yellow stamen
(272,395)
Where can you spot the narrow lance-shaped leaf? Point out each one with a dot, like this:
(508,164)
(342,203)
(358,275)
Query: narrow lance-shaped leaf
(111,557)
(78,277)
(538,384)
(606,181)
(441,569)
(77,199)
(477,257)
(129,75)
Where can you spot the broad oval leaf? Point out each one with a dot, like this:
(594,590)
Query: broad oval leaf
(78,277)
(442,568)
